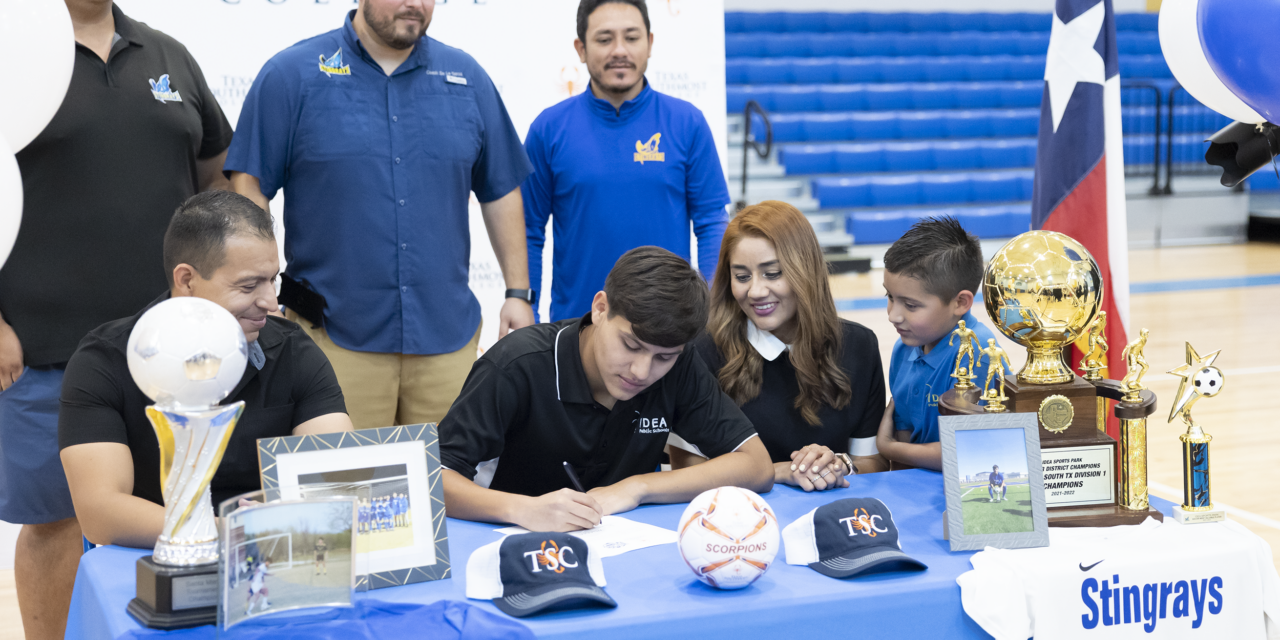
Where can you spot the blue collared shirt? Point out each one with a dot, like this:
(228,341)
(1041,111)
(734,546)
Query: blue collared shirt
(617,179)
(377,171)
(917,381)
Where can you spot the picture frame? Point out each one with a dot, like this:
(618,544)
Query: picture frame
(281,558)
(401,465)
(988,506)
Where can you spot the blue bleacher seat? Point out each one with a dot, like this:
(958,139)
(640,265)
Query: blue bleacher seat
(827,69)
(904,69)
(884,227)
(859,22)
(908,156)
(901,125)
(920,124)
(968,43)
(879,227)
(894,191)
(873,126)
(903,190)
(1139,149)
(1137,22)
(1137,43)
(1264,180)
(944,188)
(857,158)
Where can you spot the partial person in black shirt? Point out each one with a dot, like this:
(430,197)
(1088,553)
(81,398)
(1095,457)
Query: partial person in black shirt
(220,247)
(137,133)
(811,383)
(600,393)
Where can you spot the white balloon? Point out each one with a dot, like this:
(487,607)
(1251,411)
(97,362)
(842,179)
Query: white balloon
(10,200)
(1180,42)
(39,45)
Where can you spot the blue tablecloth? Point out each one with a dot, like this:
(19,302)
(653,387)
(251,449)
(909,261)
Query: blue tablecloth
(657,594)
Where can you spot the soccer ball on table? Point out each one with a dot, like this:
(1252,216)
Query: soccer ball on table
(728,537)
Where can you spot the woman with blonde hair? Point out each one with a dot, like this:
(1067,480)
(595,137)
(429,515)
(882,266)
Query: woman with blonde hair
(811,383)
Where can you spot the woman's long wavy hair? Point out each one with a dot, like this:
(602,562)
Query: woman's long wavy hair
(815,350)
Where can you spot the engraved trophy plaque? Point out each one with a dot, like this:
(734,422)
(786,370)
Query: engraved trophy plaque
(186,354)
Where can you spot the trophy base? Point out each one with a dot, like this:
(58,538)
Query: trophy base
(1197,517)
(1106,515)
(175,597)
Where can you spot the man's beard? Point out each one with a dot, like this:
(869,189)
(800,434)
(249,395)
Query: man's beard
(385,28)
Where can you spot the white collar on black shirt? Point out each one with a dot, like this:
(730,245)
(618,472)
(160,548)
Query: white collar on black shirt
(766,344)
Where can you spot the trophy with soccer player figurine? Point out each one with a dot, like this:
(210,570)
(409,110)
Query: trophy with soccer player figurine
(1044,291)
(187,354)
(968,341)
(1199,379)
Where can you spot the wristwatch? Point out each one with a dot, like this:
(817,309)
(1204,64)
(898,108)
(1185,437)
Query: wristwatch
(848,463)
(528,295)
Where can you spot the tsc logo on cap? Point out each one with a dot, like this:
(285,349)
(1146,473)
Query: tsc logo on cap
(863,523)
(555,558)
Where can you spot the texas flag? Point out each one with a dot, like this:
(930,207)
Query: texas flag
(1079,179)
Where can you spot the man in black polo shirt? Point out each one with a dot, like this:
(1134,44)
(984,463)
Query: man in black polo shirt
(219,247)
(99,185)
(600,393)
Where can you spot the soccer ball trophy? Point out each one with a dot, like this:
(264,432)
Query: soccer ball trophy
(187,354)
(728,537)
(1044,291)
(1199,379)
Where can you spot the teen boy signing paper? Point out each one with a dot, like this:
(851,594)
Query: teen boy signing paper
(602,393)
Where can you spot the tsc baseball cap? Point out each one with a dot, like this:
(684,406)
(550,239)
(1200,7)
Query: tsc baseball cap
(846,538)
(531,573)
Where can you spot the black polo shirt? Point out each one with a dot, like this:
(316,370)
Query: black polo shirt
(527,407)
(100,184)
(101,403)
(782,428)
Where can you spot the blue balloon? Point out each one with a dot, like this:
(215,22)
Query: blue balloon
(1240,43)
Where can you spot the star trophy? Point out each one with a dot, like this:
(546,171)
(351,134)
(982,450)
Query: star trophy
(1044,291)
(186,354)
(1199,379)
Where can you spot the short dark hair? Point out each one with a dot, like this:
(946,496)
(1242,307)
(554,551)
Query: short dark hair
(939,253)
(588,7)
(660,294)
(198,232)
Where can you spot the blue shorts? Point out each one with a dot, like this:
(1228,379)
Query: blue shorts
(33,487)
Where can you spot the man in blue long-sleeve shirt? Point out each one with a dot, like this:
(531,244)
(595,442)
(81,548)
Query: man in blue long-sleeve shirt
(618,166)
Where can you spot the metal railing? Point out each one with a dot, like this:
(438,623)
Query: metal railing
(749,143)
(1189,124)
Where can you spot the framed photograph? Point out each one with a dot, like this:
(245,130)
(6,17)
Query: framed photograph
(394,473)
(286,555)
(994,482)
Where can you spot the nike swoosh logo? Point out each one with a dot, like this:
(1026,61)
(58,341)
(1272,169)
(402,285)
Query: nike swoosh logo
(1084,568)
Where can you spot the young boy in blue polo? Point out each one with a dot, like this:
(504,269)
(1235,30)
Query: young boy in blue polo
(930,276)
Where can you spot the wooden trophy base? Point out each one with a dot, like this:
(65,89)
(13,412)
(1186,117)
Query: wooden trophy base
(175,597)
(1106,515)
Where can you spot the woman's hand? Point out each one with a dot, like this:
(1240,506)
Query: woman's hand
(813,468)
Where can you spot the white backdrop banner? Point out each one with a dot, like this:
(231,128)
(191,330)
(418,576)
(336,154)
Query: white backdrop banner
(526,46)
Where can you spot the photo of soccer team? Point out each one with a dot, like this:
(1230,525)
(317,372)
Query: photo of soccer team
(385,516)
(287,556)
(994,483)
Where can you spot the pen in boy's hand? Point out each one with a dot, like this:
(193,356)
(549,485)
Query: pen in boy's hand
(573,478)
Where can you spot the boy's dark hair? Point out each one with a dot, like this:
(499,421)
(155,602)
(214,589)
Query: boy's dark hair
(939,253)
(198,232)
(588,7)
(663,298)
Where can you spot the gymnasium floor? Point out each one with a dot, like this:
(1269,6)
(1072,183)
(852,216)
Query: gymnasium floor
(1222,297)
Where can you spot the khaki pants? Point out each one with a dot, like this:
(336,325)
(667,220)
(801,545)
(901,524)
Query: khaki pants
(385,389)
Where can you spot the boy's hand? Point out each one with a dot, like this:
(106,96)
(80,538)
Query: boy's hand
(885,442)
(563,510)
(619,497)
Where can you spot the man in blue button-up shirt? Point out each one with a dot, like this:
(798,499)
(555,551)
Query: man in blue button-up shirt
(378,135)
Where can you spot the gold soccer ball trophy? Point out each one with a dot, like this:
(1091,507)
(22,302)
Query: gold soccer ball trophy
(1044,291)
